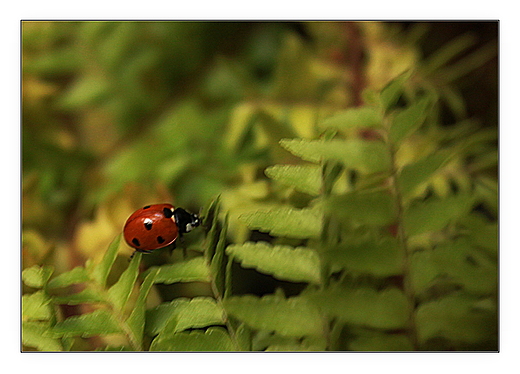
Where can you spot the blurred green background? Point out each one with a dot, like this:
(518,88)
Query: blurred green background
(117,115)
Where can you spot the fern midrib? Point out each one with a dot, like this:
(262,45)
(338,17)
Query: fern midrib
(331,329)
(218,298)
(403,240)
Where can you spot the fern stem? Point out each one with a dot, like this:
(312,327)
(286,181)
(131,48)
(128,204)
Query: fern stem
(328,238)
(229,325)
(406,266)
(403,240)
(218,297)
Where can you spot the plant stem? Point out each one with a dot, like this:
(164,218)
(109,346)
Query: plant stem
(355,60)
(403,240)
(218,298)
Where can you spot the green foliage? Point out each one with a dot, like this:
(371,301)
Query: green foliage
(339,226)
(283,262)
(387,258)
(362,306)
(408,120)
(283,221)
(294,316)
(213,339)
(355,118)
(183,314)
(304,178)
(393,90)
(193,270)
(111,315)
(369,255)
(375,260)
(366,157)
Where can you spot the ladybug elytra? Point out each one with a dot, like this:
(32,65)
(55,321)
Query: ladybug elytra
(157,226)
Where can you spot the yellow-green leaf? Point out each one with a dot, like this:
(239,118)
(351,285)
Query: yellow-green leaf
(387,309)
(364,156)
(283,262)
(354,118)
(212,340)
(37,276)
(295,316)
(193,270)
(304,178)
(285,221)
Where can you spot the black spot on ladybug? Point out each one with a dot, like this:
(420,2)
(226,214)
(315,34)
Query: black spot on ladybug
(146,207)
(148,225)
(160,240)
(167,213)
(136,242)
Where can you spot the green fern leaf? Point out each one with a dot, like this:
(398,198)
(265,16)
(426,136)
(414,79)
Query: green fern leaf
(387,309)
(37,276)
(304,178)
(88,295)
(58,61)
(36,334)
(294,316)
(408,120)
(241,122)
(457,263)
(381,258)
(413,175)
(77,275)
(307,344)
(211,215)
(244,337)
(284,221)
(136,319)
(457,318)
(216,269)
(100,271)
(36,306)
(267,341)
(119,293)
(110,348)
(99,322)
(485,236)
(182,314)
(84,91)
(434,214)
(375,341)
(283,262)
(363,208)
(393,90)
(354,118)
(443,55)
(212,340)
(193,270)
(358,154)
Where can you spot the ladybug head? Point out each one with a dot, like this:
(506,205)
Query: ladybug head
(185,221)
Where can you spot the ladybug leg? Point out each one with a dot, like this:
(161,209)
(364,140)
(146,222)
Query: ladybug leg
(172,247)
(184,250)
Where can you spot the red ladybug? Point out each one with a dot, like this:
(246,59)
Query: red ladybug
(157,226)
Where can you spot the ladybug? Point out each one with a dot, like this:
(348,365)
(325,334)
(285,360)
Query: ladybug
(157,226)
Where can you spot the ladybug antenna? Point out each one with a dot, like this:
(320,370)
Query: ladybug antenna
(185,221)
